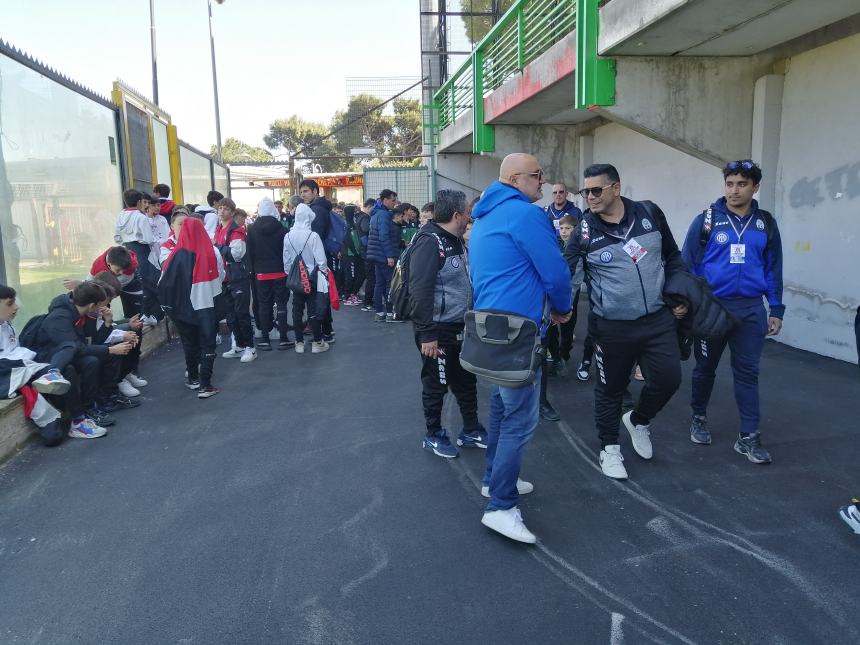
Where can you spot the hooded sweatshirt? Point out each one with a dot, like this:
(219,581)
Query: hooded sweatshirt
(210,219)
(100,264)
(63,326)
(514,258)
(266,243)
(302,239)
(132,226)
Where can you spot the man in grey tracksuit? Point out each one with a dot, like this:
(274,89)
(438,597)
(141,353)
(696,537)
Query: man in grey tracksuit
(624,249)
(440,294)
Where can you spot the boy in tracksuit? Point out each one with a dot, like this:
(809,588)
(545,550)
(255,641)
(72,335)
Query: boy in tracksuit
(134,232)
(736,247)
(440,295)
(230,242)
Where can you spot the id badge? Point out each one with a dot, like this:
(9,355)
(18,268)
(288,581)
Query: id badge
(635,250)
(737,253)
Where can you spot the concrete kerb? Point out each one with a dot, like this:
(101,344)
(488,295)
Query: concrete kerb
(16,431)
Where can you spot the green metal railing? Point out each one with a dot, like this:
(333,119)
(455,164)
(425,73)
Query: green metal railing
(527,30)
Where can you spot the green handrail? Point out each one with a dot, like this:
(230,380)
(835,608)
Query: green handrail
(527,30)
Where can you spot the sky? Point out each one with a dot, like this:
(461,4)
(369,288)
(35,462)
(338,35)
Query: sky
(274,58)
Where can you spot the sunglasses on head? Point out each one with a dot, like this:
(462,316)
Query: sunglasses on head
(597,191)
(746,165)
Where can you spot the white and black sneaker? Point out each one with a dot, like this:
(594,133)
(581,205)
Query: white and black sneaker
(206,392)
(612,463)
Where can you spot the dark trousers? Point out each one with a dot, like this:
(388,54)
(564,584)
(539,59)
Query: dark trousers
(131,361)
(370,282)
(650,341)
(309,301)
(323,306)
(746,343)
(149,276)
(131,298)
(198,345)
(237,304)
(443,373)
(269,294)
(380,289)
(110,374)
(353,275)
(83,374)
(559,340)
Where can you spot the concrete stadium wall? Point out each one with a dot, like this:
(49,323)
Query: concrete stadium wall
(818,198)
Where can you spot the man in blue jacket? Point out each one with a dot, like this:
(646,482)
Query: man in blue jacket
(736,247)
(516,267)
(383,249)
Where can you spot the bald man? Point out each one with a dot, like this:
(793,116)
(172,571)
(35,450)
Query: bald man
(561,206)
(516,267)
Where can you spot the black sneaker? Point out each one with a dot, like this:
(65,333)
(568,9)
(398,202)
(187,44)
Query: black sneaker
(263,345)
(124,403)
(750,446)
(699,430)
(548,412)
(583,372)
(193,384)
(206,391)
(286,344)
(329,338)
(100,418)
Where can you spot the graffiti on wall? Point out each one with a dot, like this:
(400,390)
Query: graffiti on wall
(840,182)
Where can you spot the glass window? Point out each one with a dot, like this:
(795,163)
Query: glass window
(162,155)
(60,190)
(196,176)
(141,153)
(222,179)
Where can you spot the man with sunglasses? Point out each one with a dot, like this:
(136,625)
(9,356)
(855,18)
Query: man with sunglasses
(623,250)
(561,206)
(736,247)
(515,267)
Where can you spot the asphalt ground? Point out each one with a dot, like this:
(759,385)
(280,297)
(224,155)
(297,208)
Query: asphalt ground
(297,506)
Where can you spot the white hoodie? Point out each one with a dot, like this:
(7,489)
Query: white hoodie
(302,237)
(210,219)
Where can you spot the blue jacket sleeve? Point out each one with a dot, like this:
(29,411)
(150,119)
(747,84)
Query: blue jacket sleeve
(540,246)
(692,249)
(773,274)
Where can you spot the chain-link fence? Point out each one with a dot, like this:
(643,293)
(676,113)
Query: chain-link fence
(411,184)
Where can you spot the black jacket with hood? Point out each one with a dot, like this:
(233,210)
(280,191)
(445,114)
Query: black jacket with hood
(322,209)
(63,327)
(266,240)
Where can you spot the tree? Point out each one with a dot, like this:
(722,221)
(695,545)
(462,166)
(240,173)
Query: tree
(360,131)
(406,132)
(295,135)
(234,151)
(479,26)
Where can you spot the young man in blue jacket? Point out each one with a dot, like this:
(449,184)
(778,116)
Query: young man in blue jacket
(736,247)
(515,267)
(383,249)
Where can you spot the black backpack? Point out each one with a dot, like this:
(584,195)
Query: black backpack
(29,336)
(398,293)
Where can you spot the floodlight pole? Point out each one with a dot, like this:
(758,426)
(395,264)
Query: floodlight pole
(152,44)
(218,156)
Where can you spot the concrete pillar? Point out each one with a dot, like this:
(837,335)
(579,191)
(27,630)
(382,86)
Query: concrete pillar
(766,126)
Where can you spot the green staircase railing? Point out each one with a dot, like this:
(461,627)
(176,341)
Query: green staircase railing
(527,30)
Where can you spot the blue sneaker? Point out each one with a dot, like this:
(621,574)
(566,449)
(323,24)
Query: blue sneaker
(473,439)
(51,382)
(439,444)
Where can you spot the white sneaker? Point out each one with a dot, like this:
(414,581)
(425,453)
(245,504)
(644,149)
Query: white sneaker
(523,488)
(127,389)
(300,347)
(86,429)
(234,352)
(510,524)
(136,381)
(611,462)
(641,437)
(319,347)
(249,355)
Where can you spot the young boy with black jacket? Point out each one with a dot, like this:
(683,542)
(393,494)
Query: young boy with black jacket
(440,295)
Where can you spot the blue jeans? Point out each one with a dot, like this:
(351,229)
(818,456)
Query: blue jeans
(746,343)
(512,422)
(380,289)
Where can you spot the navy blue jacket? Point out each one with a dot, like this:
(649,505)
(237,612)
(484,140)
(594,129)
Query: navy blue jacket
(384,239)
(761,272)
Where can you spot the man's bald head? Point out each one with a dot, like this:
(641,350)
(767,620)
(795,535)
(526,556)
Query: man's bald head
(522,171)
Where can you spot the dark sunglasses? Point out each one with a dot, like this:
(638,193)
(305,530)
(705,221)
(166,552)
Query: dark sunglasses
(597,191)
(559,192)
(746,165)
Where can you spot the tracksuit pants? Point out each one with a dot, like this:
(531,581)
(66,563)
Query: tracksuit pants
(311,301)
(370,282)
(746,343)
(353,275)
(380,289)
(650,341)
(198,345)
(269,294)
(237,304)
(444,373)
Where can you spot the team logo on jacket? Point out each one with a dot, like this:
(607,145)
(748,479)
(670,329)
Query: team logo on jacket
(646,224)
(455,263)
(759,225)
(722,238)
(606,257)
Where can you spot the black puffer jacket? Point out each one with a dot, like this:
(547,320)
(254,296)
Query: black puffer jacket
(266,245)
(708,318)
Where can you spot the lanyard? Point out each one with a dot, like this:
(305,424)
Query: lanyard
(744,229)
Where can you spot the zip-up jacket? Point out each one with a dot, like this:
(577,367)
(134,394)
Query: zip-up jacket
(266,247)
(362,222)
(322,222)
(621,287)
(384,238)
(132,226)
(760,272)
(230,242)
(555,214)
(63,327)
(440,292)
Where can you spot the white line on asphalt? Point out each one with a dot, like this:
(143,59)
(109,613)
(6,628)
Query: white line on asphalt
(616,632)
